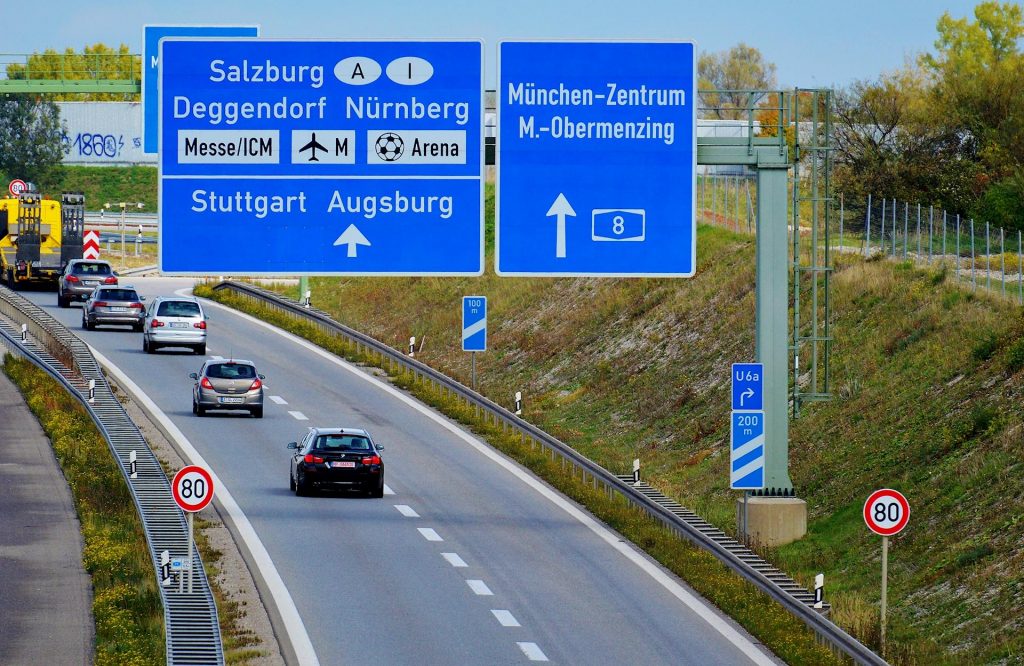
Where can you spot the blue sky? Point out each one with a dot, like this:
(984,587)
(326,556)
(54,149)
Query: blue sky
(812,43)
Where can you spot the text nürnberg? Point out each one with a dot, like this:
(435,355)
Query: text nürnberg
(564,127)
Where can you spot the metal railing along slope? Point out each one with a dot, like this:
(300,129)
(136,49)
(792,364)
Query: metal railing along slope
(191,622)
(685,524)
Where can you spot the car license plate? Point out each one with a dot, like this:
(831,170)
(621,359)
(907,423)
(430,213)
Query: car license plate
(343,463)
(178,324)
(91,283)
(118,308)
(232,401)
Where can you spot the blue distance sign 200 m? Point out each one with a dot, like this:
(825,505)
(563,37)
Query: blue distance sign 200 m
(474,323)
(596,159)
(321,157)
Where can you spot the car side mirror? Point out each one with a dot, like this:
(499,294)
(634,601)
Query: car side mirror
(116,274)
(193,375)
(293,445)
(380,448)
(142,298)
(262,376)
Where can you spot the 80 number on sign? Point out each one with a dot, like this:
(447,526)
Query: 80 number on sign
(192,488)
(886,512)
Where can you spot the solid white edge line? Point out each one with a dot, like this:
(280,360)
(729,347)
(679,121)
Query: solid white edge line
(697,604)
(532,651)
(282,599)
(454,560)
(505,618)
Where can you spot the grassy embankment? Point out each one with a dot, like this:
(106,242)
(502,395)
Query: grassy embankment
(127,611)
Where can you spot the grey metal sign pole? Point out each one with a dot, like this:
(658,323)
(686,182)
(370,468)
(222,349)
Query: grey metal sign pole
(773,321)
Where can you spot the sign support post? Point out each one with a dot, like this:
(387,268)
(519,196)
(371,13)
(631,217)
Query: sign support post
(191,550)
(885,586)
(886,512)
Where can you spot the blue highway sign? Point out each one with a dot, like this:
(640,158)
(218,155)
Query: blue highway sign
(321,157)
(596,159)
(474,323)
(747,386)
(152,34)
(746,468)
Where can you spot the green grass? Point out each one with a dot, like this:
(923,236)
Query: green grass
(112,185)
(126,603)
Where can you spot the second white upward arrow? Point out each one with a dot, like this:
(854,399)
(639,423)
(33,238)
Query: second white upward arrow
(560,208)
(353,238)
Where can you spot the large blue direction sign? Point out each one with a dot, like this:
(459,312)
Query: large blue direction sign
(596,159)
(746,469)
(747,386)
(474,323)
(321,157)
(152,34)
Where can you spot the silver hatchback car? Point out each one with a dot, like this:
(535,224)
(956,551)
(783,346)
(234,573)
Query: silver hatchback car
(174,321)
(232,384)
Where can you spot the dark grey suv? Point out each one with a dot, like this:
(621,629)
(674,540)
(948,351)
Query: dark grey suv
(80,277)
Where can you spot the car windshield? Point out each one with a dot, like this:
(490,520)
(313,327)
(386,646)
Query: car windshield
(345,442)
(117,295)
(230,371)
(178,309)
(91,269)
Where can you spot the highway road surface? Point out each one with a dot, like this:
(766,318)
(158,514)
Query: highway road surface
(468,559)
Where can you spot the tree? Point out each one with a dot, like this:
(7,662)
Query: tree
(740,68)
(98,61)
(30,140)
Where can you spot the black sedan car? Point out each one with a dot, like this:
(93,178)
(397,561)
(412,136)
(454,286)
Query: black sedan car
(336,458)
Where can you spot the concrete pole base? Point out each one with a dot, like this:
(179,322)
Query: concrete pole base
(773,521)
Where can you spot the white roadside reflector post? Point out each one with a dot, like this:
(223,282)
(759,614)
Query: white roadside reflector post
(819,591)
(24,332)
(636,471)
(412,346)
(165,568)
(519,403)
(307,298)
(92,391)
(132,465)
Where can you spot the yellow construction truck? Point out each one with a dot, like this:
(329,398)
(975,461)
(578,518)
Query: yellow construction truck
(38,237)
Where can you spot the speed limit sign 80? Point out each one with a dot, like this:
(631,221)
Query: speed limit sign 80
(192,488)
(886,512)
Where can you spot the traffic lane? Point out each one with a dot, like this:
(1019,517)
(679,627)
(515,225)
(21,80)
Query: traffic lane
(387,581)
(338,389)
(468,492)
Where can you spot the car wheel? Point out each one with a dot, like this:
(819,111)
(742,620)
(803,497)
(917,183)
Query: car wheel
(200,350)
(258,412)
(137,328)
(145,345)
(62,302)
(195,409)
(301,489)
(85,322)
(291,481)
(200,410)
(376,491)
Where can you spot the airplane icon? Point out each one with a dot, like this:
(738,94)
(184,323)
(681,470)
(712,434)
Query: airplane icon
(312,146)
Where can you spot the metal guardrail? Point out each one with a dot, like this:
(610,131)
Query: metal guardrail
(191,622)
(685,524)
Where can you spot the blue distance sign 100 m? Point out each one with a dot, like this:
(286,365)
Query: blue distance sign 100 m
(321,157)
(596,159)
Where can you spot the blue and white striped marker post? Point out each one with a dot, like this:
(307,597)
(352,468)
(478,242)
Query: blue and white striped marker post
(474,327)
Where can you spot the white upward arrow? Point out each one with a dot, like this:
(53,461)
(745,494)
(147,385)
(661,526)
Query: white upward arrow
(353,238)
(561,208)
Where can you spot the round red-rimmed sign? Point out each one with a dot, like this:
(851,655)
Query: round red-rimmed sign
(886,512)
(192,488)
(17,186)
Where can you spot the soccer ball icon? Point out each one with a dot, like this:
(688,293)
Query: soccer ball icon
(389,146)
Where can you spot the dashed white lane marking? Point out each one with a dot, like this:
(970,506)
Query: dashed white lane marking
(216,358)
(299,416)
(532,652)
(454,560)
(407,511)
(278,399)
(694,603)
(480,588)
(429,534)
(387,490)
(505,618)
